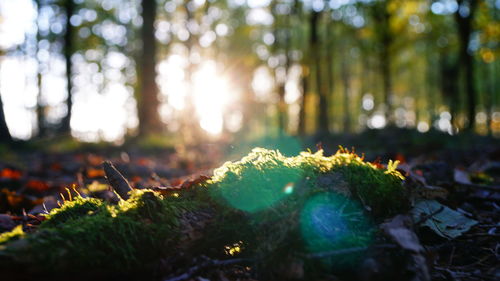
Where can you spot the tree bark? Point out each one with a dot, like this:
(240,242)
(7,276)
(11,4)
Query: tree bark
(148,103)
(301,126)
(68,50)
(322,117)
(449,85)
(40,108)
(347,90)
(301,130)
(382,18)
(282,40)
(330,59)
(385,61)
(4,130)
(464,26)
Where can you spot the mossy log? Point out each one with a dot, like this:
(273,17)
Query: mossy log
(265,207)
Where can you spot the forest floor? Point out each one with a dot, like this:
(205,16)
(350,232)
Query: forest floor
(460,173)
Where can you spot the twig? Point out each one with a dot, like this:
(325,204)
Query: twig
(116,180)
(209,263)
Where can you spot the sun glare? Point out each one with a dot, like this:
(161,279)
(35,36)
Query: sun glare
(211,97)
(212,92)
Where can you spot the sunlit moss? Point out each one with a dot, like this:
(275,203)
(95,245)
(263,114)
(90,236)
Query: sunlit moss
(90,233)
(263,177)
(274,205)
(73,209)
(14,234)
(257,181)
(308,203)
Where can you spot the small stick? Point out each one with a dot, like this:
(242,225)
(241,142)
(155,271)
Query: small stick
(116,180)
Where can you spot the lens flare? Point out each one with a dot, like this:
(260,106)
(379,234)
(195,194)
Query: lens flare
(329,222)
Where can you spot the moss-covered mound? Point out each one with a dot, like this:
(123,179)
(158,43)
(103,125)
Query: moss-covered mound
(266,207)
(265,177)
(307,205)
(88,234)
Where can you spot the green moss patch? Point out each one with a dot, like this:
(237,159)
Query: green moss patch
(270,206)
(265,177)
(88,233)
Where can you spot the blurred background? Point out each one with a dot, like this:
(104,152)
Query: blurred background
(107,70)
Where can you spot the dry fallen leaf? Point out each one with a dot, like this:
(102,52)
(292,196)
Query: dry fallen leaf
(442,220)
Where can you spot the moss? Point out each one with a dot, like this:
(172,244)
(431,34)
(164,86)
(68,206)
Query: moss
(14,234)
(265,177)
(72,209)
(275,205)
(308,203)
(88,233)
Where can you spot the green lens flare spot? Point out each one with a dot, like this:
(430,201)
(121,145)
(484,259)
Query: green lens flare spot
(330,222)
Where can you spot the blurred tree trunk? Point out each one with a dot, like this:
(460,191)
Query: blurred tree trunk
(68,50)
(301,126)
(488,90)
(449,86)
(490,102)
(330,59)
(148,103)
(347,90)
(464,18)
(40,107)
(243,76)
(431,86)
(322,117)
(281,43)
(4,130)
(382,18)
(301,130)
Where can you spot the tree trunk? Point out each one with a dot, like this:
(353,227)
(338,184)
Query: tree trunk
(322,117)
(301,130)
(148,103)
(4,130)
(68,50)
(464,26)
(282,40)
(430,87)
(40,108)
(347,89)
(449,85)
(301,126)
(490,99)
(330,68)
(382,18)
(385,61)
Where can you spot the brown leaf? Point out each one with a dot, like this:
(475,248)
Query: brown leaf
(37,185)
(10,174)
